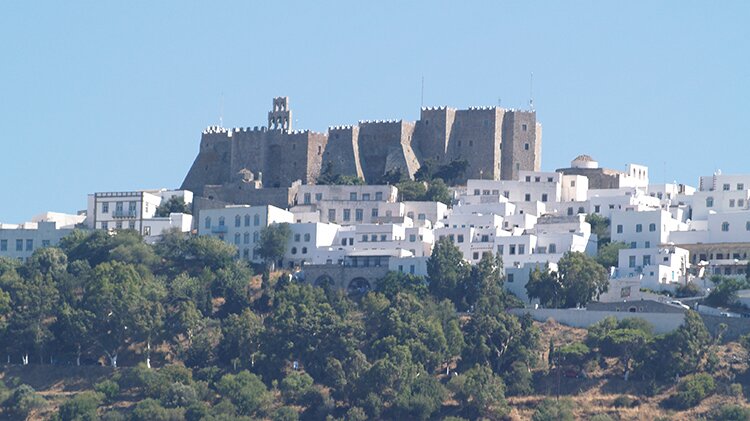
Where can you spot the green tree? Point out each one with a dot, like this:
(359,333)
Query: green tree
(608,254)
(437,191)
(725,292)
(446,269)
(601,227)
(410,190)
(81,407)
(395,282)
(273,241)
(578,280)
(246,391)
(480,392)
(241,338)
(175,204)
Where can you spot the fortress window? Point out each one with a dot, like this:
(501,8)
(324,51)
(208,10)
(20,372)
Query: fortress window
(528,178)
(526,146)
(471,143)
(524,128)
(208,222)
(320,150)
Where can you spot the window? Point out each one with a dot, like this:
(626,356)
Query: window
(353,196)
(332,215)
(527,197)
(570,211)
(4,243)
(364,239)
(747,226)
(246,238)
(647,244)
(383,237)
(19,245)
(359,215)
(512,249)
(105,225)
(307,237)
(573,183)
(475,255)
(597,208)
(631,261)
(521,249)
(581,210)
(304,250)
(652,227)
(553,248)
(544,197)
(524,127)
(709,202)
(509,277)
(619,229)
(740,186)
(237,221)
(318,197)
(131,225)
(374,237)
(526,146)
(296,238)
(421,217)
(379,195)
(118,207)
(638,228)
(347,214)
(256,220)
(550,179)
(237,238)
(740,203)
(306,199)
(208,222)
(506,194)
(365,196)
(105,207)
(294,250)
(411,269)
(725,187)
(725,226)
(132,206)
(351,241)
(412,238)
(256,236)
(460,238)
(221,221)
(500,249)
(374,212)
(528,178)
(485,238)
(633,244)
(118,225)
(246,253)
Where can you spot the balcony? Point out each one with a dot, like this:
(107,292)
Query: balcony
(130,213)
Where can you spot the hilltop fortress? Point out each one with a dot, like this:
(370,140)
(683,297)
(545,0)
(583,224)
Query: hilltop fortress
(497,144)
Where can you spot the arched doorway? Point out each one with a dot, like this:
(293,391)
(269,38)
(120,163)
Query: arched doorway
(358,287)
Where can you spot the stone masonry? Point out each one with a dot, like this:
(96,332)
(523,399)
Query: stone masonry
(497,143)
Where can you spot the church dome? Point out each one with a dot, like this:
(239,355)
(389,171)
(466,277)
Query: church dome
(584,161)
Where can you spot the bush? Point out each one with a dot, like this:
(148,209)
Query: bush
(554,410)
(295,385)
(179,395)
(82,407)
(22,401)
(150,410)
(691,391)
(601,417)
(246,391)
(108,388)
(519,380)
(735,389)
(285,413)
(730,413)
(625,401)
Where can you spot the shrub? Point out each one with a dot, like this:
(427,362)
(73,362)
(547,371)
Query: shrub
(735,389)
(246,391)
(730,413)
(108,388)
(82,407)
(295,385)
(554,410)
(601,417)
(285,413)
(179,395)
(691,391)
(150,410)
(22,401)
(625,401)
(519,380)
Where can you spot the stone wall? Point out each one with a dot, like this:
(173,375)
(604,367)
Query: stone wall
(662,322)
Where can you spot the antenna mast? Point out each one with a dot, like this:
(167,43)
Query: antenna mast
(531,91)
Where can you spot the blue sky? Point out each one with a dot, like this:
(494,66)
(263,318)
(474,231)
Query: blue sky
(110,96)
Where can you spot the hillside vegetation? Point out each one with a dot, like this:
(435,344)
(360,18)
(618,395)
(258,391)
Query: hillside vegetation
(107,327)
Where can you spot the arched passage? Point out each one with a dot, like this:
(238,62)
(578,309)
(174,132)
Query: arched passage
(358,287)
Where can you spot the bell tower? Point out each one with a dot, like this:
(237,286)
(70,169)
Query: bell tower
(280,117)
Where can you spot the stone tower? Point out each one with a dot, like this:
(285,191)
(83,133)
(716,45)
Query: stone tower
(280,117)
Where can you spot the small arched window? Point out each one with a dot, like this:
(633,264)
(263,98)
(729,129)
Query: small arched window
(256,220)
(247,220)
(237,221)
(208,222)
(294,250)
(725,226)
(652,227)
(709,202)
(221,221)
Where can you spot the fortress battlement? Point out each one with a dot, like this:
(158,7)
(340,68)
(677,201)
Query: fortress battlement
(370,148)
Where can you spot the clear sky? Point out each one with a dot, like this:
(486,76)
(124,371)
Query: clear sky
(111,96)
